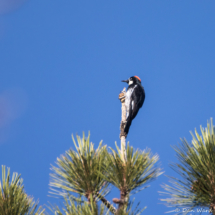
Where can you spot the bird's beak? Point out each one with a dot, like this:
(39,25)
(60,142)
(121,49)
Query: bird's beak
(127,81)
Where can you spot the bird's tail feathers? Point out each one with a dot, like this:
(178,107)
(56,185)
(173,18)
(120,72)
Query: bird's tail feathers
(127,126)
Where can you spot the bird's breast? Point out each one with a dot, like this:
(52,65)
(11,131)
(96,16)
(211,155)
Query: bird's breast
(128,98)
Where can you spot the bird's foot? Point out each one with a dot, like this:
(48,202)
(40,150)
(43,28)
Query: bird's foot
(122,95)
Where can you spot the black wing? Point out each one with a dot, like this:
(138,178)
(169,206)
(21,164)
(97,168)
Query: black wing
(138,96)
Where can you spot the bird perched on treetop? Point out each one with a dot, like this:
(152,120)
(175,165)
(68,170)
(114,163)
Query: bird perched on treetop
(134,99)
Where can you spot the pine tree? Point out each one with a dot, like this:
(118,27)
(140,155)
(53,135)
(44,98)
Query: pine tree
(13,199)
(196,187)
(83,177)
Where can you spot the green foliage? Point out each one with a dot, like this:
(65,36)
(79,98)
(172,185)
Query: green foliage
(77,171)
(130,173)
(129,210)
(87,172)
(79,208)
(197,168)
(13,199)
(137,169)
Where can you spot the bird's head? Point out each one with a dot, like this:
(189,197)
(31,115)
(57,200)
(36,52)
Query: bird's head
(132,80)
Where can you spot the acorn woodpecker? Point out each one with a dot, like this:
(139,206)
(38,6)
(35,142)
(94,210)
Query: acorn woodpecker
(134,99)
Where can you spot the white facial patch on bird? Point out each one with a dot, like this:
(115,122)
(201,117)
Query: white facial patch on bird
(130,82)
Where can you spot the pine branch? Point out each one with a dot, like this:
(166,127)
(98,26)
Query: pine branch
(196,185)
(123,135)
(106,202)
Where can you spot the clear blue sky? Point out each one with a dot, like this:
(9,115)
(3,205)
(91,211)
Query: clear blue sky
(61,66)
